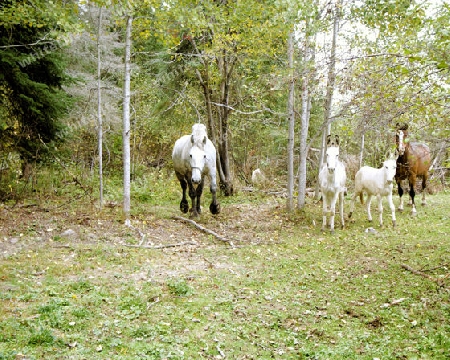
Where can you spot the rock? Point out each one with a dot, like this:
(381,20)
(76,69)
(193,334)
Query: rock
(371,230)
(69,233)
(258,177)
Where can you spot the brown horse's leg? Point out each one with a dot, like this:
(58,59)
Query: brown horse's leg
(400,194)
(424,185)
(412,193)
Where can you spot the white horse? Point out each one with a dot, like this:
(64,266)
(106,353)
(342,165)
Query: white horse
(194,156)
(332,178)
(375,182)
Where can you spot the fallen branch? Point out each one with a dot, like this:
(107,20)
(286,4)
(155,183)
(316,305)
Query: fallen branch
(205,230)
(439,282)
(141,234)
(161,246)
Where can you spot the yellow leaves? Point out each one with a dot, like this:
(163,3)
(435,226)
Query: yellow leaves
(145,34)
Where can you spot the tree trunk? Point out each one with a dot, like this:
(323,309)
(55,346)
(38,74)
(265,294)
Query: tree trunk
(291,133)
(226,68)
(99,110)
(361,151)
(301,199)
(218,129)
(330,87)
(126,121)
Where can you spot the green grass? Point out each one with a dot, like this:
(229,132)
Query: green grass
(292,293)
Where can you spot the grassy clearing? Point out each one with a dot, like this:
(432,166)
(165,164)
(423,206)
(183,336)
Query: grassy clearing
(286,291)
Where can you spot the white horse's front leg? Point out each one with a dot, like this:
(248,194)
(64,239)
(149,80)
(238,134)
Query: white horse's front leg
(333,211)
(392,207)
(324,212)
(380,208)
(341,208)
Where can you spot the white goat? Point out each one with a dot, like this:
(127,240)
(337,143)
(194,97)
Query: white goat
(332,178)
(375,182)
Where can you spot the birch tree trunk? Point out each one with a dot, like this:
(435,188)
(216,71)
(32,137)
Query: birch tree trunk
(361,151)
(331,80)
(99,110)
(301,199)
(291,133)
(126,121)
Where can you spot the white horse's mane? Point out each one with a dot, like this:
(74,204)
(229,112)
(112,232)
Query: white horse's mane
(199,134)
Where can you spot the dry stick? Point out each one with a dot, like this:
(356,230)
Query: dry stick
(205,230)
(420,273)
(141,234)
(161,246)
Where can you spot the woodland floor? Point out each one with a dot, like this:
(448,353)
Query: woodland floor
(28,227)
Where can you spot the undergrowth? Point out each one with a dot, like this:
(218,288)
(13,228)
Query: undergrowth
(284,290)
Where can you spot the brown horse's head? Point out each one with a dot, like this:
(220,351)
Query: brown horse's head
(401,138)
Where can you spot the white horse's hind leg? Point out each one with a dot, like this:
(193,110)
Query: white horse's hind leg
(352,205)
(214,207)
(369,200)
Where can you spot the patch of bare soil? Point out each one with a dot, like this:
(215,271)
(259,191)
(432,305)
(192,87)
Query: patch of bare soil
(29,227)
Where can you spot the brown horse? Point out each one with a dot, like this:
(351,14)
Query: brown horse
(413,161)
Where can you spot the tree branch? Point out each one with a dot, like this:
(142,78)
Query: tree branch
(205,230)
(249,112)
(439,282)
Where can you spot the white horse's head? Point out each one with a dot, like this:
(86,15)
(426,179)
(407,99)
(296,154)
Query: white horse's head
(390,168)
(197,160)
(332,153)
(332,158)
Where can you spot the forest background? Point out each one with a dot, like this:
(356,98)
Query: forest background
(269,79)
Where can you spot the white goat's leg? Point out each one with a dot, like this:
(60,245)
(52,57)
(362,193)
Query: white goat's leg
(392,207)
(380,208)
(369,200)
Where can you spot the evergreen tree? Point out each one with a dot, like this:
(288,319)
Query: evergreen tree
(32,99)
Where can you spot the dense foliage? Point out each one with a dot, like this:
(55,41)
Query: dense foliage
(223,64)
(33,73)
